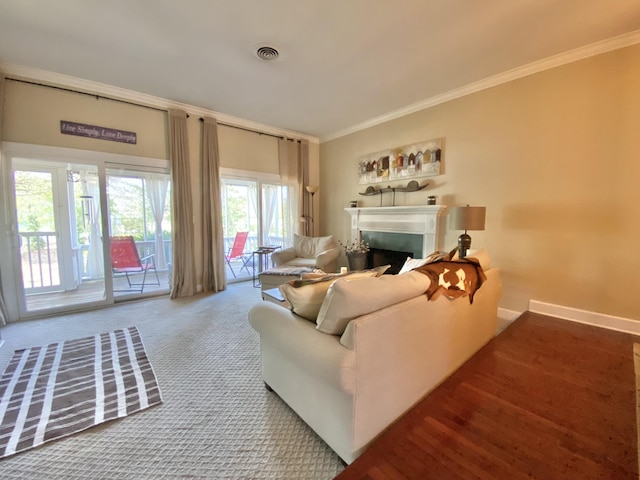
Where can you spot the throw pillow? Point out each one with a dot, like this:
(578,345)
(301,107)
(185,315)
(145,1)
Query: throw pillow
(305,246)
(348,300)
(324,243)
(306,296)
(411,263)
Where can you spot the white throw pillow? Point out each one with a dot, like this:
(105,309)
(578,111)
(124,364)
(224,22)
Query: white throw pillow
(305,246)
(325,243)
(412,263)
(348,300)
(309,247)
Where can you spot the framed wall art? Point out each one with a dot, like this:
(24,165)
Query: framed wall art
(422,159)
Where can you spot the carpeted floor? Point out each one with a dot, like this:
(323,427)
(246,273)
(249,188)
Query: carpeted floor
(217,420)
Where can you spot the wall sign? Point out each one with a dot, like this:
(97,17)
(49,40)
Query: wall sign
(92,131)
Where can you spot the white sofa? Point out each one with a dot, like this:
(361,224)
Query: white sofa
(348,388)
(314,252)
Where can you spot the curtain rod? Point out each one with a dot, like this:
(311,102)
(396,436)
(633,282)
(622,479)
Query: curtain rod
(94,95)
(254,131)
(98,97)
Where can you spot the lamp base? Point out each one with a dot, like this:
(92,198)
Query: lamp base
(464,244)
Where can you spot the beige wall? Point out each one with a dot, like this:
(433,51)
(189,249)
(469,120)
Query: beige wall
(245,150)
(32,115)
(555,158)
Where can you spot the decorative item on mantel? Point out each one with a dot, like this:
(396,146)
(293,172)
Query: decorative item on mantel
(421,159)
(356,254)
(412,186)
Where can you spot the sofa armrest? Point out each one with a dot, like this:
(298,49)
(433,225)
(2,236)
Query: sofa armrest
(328,259)
(298,341)
(282,256)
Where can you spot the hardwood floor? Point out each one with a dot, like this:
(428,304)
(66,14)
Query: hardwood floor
(546,399)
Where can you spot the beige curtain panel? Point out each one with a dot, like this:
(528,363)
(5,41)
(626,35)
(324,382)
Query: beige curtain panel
(294,165)
(213,271)
(4,315)
(183,264)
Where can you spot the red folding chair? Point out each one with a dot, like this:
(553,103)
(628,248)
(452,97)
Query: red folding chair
(236,252)
(125,259)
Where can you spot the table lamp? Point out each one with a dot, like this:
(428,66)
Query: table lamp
(467,218)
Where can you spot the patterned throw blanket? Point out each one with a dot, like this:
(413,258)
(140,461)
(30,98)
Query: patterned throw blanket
(453,278)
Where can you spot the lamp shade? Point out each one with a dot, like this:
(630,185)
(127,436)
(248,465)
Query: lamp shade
(312,188)
(468,218)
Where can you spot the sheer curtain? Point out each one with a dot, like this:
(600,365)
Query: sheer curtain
(157,186)
(269,204)
(252,191)
(4,315)
(183,282)
(95,259)
(213,274)
(294,164)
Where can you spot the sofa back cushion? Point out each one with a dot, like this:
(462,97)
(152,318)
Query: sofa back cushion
(306,296)
(309,247)
(345,301)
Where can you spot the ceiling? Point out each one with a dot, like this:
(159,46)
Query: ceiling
(342,63)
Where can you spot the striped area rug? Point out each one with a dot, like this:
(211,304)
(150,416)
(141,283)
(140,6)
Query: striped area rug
(63,388)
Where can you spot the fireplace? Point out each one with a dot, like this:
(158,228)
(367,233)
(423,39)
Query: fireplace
(380,256)
(398,232)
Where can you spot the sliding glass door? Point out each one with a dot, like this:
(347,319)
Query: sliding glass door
(252,203)
(64,211)
(139,207)
(60,253)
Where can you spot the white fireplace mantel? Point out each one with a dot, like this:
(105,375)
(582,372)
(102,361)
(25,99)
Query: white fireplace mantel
(425,220)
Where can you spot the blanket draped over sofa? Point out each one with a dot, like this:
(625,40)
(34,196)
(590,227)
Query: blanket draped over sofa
(453,277)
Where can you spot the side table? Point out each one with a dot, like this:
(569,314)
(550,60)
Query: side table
(263,253)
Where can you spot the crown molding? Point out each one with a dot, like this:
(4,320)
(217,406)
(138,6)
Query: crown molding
(87,86)
(591,50)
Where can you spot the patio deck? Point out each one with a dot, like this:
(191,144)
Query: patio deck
(93,290)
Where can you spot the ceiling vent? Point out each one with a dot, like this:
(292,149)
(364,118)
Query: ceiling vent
(267,52)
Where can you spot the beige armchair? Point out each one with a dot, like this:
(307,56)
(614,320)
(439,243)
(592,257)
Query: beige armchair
(314,252)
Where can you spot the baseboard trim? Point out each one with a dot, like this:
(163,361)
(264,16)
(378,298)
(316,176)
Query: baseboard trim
(505,318)
(611,322)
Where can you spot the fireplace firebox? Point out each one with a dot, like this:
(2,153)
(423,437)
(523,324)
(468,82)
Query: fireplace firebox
(380,256)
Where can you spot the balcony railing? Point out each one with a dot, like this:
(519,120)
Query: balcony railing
(39,258)
(40,264)
(40,268)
